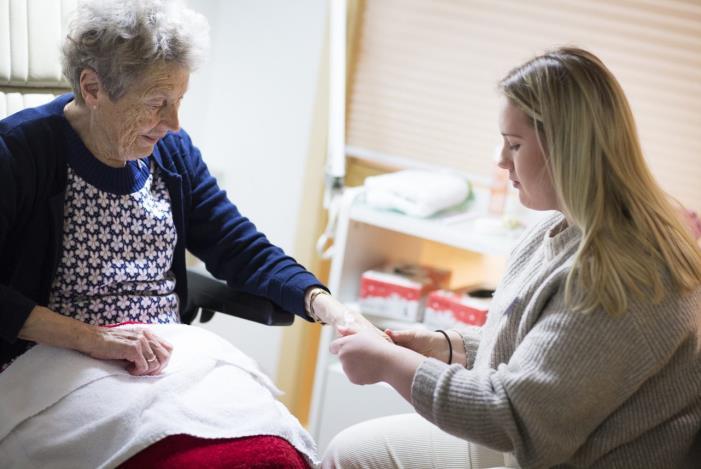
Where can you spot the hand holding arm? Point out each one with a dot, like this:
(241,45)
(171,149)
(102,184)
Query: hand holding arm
(431,343)
(367,359)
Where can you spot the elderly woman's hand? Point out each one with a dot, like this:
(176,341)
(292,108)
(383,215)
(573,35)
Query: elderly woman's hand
(335,313)
(355,323)
(145,352)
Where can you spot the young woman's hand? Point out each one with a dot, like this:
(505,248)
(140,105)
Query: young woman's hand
(363,355)
(430,343)
(368,358)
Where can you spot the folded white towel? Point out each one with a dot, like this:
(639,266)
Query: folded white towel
(62,409)
(416,192)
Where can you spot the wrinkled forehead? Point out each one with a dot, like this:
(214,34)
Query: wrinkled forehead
(166,79)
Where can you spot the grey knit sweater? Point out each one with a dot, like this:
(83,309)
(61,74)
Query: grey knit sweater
(565,389)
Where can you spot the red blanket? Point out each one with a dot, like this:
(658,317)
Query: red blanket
(185,451)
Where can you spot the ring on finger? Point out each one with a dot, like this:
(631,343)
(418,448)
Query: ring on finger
(152,359)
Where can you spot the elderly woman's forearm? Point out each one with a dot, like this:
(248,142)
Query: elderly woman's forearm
(331,311)
(50,328)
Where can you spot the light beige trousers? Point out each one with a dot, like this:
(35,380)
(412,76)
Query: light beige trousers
(407,441)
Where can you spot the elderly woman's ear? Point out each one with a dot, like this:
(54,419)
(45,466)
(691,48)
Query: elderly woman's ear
(89,87)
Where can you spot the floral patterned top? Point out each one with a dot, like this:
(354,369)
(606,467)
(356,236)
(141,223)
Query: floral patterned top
(118,244)
(117,253)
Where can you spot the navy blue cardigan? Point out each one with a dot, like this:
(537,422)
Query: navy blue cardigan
(33,169)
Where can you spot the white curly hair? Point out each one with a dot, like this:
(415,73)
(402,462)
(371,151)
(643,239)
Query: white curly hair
(121,39)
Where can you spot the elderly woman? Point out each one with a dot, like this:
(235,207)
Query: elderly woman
(101,193)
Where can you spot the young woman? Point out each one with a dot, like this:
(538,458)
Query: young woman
(591,355)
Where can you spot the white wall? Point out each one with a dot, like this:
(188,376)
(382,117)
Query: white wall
(249,110)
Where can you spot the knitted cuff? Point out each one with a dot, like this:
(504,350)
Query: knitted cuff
(424,386)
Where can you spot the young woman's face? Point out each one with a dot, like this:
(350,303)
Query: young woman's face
(523,157)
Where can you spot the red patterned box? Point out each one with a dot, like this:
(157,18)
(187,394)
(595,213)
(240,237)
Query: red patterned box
(398,291)
(449,308)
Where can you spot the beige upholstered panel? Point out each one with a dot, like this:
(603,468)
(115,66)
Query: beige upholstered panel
(424,82)
(31,33)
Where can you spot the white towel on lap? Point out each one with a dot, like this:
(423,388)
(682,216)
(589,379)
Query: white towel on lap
(63,409)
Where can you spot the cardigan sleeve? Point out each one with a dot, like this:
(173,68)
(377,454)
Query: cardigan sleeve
(14,307)
(232,247)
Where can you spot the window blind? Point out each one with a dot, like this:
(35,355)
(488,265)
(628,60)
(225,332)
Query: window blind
(423,89)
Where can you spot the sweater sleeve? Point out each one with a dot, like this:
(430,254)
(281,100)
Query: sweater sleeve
(471,339)
(232,247)
(569,373)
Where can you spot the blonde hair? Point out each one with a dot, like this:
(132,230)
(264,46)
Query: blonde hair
(632,236)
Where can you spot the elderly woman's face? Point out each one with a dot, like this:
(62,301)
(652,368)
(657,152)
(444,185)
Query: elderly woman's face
(129,127)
